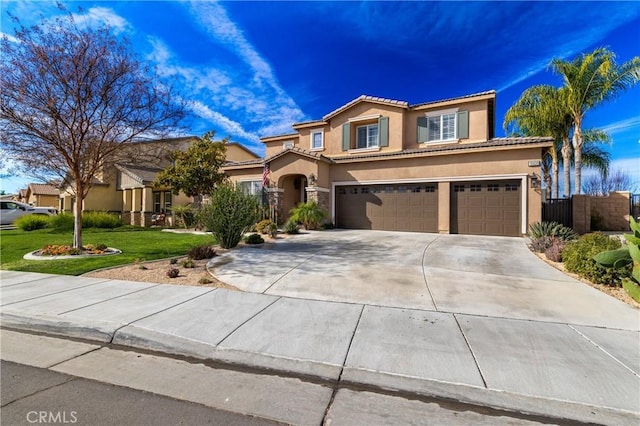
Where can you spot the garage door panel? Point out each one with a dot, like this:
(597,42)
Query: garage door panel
(486,208)
(388,207)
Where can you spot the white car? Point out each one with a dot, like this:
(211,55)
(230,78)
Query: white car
(12,210)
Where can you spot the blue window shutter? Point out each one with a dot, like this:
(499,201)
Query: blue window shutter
(422,129)
(346,136)
(463,124)
(383,131)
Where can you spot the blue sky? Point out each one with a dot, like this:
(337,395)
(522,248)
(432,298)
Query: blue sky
(251,69)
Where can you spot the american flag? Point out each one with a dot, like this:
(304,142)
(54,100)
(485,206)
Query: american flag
(265,175)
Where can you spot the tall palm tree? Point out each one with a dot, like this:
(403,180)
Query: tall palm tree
(589,80)
(542,111)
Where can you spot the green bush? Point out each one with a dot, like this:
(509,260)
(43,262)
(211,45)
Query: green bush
(291,227)
(101,220)
(188,263)
(32,222)
(254,239)
(185,216)
(310,214)
(201,252)
(578,258)
(229,214)
(62,222)
(266,226)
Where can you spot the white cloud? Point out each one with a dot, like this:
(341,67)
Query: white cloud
(9,37)
(623,125)
(96,16)
(233,128)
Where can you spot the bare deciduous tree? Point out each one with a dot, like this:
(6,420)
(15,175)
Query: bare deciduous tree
(603,184)
(72,98)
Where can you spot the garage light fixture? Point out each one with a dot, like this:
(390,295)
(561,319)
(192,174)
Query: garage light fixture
(535,181)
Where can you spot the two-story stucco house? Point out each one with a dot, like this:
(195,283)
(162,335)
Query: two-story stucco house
(377,163)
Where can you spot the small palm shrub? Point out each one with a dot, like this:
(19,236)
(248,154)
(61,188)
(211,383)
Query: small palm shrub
(100,220)
(230,213)
(201,252)
(578,258)
(254,239)
(32,222)
(62,222)
(291,227)
(310,214)
(185,215)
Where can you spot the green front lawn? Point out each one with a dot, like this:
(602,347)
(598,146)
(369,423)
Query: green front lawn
(139,244)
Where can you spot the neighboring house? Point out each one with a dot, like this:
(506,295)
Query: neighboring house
(42,195)
(22,196)
(126,188)
(377,163)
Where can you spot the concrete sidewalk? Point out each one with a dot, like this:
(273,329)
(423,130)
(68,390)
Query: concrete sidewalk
(561,370)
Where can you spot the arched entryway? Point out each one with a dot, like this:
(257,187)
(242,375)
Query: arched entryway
(294,192)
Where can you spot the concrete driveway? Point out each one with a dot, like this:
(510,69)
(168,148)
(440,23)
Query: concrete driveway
(477,275)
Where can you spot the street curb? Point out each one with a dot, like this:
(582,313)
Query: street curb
(336,375)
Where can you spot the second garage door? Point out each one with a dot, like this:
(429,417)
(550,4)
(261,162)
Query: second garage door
(406,207)
(486,208)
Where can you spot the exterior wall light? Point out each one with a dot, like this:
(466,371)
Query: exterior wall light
(535,181)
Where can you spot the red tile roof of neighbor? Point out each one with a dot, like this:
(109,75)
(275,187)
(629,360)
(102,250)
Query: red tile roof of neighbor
(43,189)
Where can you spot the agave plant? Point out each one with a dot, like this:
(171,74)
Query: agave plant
(539,230)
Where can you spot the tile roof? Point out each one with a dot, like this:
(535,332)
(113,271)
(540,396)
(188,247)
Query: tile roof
(491,143)
(42,189)
(366,98)
(302,152)
(473,95)
(141,174)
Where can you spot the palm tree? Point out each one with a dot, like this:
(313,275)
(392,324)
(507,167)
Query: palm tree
(589,80)
(542,111)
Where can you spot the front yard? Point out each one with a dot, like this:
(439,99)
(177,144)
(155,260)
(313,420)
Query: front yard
(137,244)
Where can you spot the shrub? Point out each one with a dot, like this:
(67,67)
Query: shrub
(291,227)
(62,222)
(578,258)
(551,229)
(554,252)
(230,213)
(540,245)
(310,214)
(32,222)
(185,215)
(173,272)
(173,261)
(201,252)
(266,226)
(328,225)
(204,280)
(100,220)
(188,263)
(254,239)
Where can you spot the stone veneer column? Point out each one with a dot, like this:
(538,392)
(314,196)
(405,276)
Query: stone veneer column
(275,196)
(322,196)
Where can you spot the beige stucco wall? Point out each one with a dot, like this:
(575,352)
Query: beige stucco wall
(235,153)
(277,144)
(37,200)
(478,122)
(333,133)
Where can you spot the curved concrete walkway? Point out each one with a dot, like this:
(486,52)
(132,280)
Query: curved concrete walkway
(478,275)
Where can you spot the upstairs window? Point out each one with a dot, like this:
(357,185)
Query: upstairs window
(317,139)
(367,136)
(443,126)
